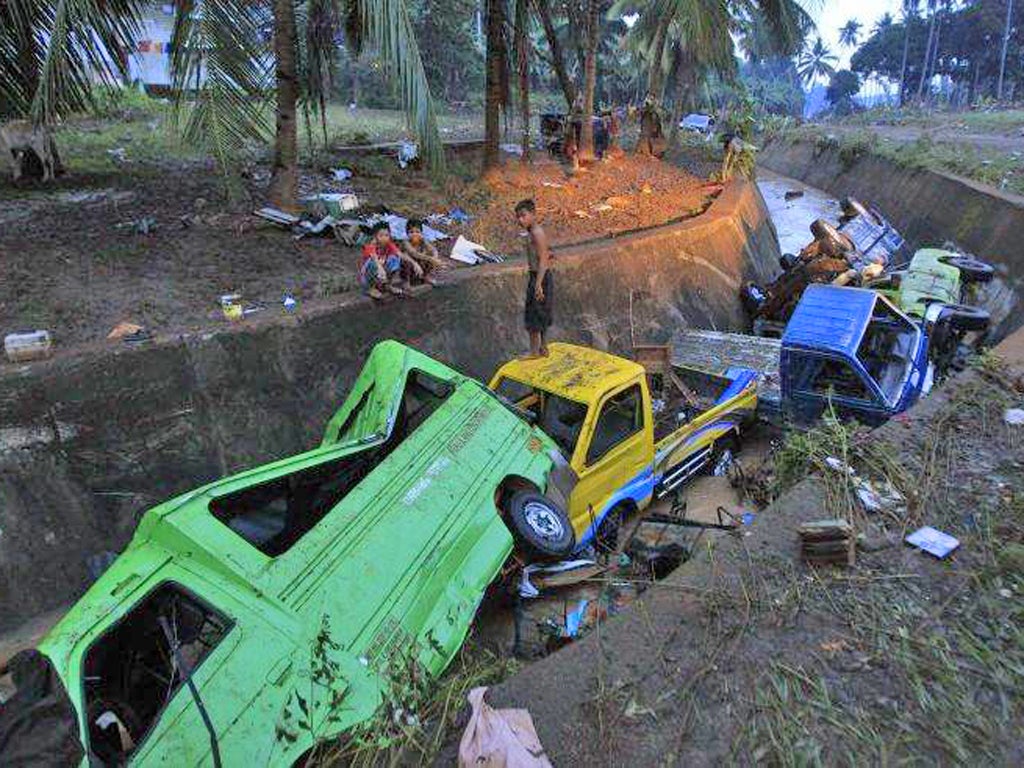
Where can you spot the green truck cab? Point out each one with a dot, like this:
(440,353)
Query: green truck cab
(297,594)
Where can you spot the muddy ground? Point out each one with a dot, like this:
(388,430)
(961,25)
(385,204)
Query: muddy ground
(73,261)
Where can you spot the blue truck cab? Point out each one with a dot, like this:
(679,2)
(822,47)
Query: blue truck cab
(851,347)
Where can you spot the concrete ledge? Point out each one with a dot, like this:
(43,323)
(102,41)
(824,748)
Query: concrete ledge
(929,207)
(89,441)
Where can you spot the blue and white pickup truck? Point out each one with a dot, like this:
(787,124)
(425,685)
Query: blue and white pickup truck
(848,346)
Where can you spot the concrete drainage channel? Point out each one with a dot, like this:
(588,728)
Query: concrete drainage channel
(202,408)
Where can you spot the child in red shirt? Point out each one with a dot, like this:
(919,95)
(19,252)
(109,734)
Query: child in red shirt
(381,264)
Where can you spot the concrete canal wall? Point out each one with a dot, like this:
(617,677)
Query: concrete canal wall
(928,207)
(89,441)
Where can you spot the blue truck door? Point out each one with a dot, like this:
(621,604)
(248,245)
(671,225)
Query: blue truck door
(814,380)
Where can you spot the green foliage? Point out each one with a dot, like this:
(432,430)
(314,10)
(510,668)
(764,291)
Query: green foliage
(843,86)
(816,62)
(969,40)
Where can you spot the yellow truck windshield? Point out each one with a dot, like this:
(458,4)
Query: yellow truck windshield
(560,418)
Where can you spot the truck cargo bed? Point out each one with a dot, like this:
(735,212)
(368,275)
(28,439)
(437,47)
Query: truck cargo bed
(716,352)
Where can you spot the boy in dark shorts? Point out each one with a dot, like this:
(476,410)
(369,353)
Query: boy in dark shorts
(537,313)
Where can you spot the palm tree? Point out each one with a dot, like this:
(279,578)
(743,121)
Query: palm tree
(689,35)
(557,56)
(928,47)
(885,21)
(909,17)
(1002,54)
(849,33)
(816,62)
(522,46)
(496,90)
(590,79)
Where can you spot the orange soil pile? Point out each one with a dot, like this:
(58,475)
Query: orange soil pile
(608,198)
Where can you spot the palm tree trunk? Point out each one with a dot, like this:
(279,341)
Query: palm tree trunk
(590,81)
(1002,55)
(557,55)
(284,179)
(927,54)
(654,75)
(903,64)
(935,50)
(494,87)
(523,68)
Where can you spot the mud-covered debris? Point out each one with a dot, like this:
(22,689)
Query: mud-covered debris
(827,541)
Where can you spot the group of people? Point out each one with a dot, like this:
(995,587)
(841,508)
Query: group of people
(389,267)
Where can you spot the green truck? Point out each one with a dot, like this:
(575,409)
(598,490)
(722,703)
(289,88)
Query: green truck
(252,618)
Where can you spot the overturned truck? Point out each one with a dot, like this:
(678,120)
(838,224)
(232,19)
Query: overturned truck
(252,618)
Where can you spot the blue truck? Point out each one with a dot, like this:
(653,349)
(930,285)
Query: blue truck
(850,347)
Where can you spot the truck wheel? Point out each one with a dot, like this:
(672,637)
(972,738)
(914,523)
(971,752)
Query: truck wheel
(962,317)
(542,528)
(852,208)
(971,269)
(788,260)
(833,242)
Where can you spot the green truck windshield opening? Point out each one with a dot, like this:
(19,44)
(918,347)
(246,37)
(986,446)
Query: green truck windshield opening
(129,672)
(274,515)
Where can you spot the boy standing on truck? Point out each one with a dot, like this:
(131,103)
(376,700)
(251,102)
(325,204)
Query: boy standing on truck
(537,312)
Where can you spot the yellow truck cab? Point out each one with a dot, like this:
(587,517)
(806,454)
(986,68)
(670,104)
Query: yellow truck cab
(629,434)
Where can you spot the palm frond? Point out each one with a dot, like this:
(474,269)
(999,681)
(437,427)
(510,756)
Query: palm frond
(388,28)
(86,41)
(219,51)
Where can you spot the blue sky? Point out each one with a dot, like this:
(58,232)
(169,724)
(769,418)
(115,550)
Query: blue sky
(830,15)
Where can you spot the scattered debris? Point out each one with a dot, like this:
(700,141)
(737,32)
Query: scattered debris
(472,253)
(330,204)
(878,496)
(499,738)
(933,541)
(1014,416)
(121,330)
(828,541)
(512,149)
(29,345)
(144,226)
(408,152)
(277,216)
(535,578)
(118,154)
(793,194)
(231,306)
(341,174)
(289,303)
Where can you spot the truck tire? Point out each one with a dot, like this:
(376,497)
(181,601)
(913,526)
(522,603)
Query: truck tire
(833,242)
(540,526)
(787,261)
(972,270)
(962,317)
(852,208)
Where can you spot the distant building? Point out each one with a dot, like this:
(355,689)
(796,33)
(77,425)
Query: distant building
(150,62)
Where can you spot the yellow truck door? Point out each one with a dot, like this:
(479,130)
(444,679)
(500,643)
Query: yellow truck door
(614,458)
